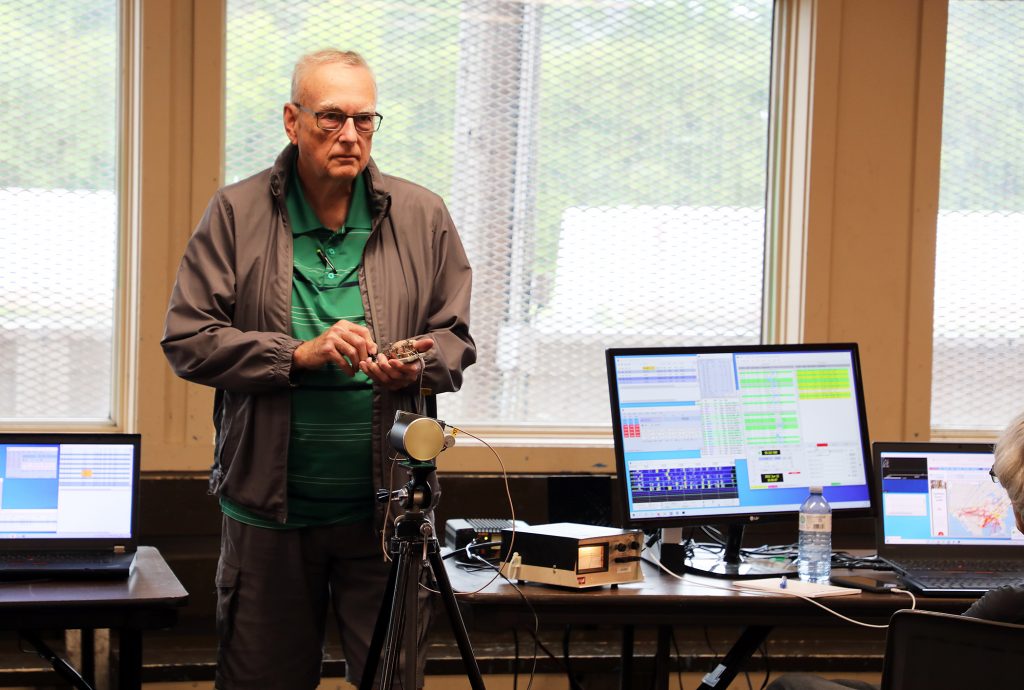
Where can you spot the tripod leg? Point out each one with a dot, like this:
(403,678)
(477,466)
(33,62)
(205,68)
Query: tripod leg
(392,648)
(444,586)
(381,628)
(411,620)
(406,568)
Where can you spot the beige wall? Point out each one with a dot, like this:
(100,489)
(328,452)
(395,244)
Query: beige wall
(854,196)
(181,139)
(855,204)
(881,229)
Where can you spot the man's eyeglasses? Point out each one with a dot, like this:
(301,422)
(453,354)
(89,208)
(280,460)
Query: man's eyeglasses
(333,120)
(992,475)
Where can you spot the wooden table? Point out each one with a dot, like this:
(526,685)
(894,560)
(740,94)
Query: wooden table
(664,601)
(147,600)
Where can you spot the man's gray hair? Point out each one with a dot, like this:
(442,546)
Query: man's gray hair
(1009,464)
(327,56)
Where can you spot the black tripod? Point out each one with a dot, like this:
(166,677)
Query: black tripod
(412,544)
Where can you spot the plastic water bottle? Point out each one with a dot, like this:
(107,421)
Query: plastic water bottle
(814,557)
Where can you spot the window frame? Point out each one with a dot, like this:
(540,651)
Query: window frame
(124,334)
(816,193)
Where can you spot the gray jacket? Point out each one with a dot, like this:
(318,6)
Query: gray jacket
(229,320)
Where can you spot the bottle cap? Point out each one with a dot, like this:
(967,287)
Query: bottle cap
(816,489)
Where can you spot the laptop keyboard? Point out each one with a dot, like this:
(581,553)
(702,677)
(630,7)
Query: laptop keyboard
(967,582)
(10,558)
(960,566)
(957,575)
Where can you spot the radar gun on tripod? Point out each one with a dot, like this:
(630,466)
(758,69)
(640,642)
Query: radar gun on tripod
(413,545)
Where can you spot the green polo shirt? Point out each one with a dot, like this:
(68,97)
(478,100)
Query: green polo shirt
(329,450)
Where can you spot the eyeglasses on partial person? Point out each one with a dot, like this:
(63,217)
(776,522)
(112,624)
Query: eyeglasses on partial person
(333,120)
(992,475)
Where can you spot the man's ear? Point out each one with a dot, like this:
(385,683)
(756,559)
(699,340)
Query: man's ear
(290,115)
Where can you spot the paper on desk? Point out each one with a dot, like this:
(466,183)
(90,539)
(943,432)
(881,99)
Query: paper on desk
(795,586)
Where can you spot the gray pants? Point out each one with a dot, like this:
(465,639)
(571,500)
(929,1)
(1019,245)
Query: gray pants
(274,588)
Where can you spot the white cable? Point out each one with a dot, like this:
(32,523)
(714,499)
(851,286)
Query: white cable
(512,511)
(387,511)
(508,491)
(744,590)
(728,588)
(421,401)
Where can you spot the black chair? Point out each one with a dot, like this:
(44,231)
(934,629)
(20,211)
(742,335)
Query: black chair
(939,651)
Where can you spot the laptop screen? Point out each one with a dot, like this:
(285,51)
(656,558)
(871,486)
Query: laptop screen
(67,486)
(943,494)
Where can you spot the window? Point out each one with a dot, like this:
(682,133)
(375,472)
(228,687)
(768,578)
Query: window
(604,162)
(978,340)
(58,195)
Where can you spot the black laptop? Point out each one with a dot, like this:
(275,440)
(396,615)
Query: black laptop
(69,505)
(944,525)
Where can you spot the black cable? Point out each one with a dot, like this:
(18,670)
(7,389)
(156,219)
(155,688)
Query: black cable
(767,668)
(843,559)
(536,638)
(536,619)
(467,548)
(707,638)
(515,659)
(679,657)
(719,541)
(573,682)
(474,568)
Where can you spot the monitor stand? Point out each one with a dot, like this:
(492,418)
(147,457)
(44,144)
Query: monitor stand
(728,564)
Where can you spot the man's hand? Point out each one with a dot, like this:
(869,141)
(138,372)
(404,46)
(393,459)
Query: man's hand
(344,344)
(392,374)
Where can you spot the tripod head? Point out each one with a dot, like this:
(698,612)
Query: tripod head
(420,440)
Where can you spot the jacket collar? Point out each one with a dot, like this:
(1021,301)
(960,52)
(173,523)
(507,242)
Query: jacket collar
(378,188)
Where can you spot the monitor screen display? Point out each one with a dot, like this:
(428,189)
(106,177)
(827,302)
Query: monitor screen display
(943,494)
(725,434)
(71,486)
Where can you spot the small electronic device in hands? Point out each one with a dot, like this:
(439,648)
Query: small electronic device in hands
(866,583)
(401,350)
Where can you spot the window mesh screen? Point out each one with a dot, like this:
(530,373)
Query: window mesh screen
(978,367)
(58,245)
(603,161)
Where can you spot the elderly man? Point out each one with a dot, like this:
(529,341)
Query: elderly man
(290,286)
(1005,604)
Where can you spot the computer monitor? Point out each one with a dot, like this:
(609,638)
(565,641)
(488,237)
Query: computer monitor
(731,435)
(68,488)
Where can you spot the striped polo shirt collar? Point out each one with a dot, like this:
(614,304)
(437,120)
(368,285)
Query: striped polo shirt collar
(303,219)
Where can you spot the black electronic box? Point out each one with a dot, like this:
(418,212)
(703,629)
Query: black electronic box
(460,533)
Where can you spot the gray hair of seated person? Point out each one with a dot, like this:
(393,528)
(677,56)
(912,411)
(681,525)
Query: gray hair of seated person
(1009,464)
